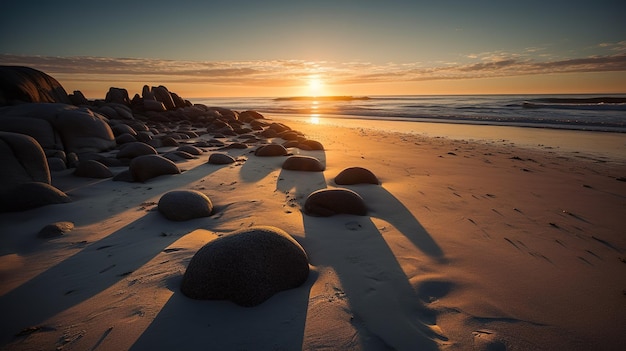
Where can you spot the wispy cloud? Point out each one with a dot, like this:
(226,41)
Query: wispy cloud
(295,72)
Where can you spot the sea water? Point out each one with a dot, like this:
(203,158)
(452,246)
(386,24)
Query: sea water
(578,112)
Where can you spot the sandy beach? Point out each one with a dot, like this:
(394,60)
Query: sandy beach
(477,238)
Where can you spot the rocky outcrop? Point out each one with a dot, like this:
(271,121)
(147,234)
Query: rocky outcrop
(20,85)
(68,127)
(25,176)
(246,267)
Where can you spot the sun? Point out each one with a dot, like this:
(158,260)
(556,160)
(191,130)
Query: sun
(316,86)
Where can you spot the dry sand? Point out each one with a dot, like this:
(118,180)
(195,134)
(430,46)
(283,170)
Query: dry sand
(469,245)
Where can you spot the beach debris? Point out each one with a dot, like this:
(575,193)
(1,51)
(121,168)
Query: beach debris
(183,205)
(56,229)
(356,175)
(329,202)
(303,163)
(246,267)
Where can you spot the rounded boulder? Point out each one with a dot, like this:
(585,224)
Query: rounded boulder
(183,205)
(356,175)
(147,167)
(303,163)
(221,159)
(329,202)
(92,169)
(246,267)
(271,150)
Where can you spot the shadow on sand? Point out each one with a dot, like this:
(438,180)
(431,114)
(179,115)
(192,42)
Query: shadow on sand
(387,310)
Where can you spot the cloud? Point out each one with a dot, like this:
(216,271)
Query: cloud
(275,73)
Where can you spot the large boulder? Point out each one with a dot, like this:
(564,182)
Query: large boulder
(183,205)
(356,175)
(271,150)
(163,95)
(118,96)
(80,130)
(22,161)
(303,163)
(92,169)
(25,176)
(147,167)
(329,202)
(246,267)
(135,149)
(31,195)
(23,85)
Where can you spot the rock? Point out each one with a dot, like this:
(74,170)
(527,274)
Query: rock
(163,95)
(356,175)
(22,161)
(77,98)
(303,163)
(26,196)
(311,145)
(246,267)
(134,149)
(271,150)
(24,85)
(153,105)
(56,164)
(125,139)
(79,129)
(329,202)
(56,229)
(221,159)
(147,167)
(183,205)
(121,128)
(92,169)
(248,116)
(118,96)
(190,149)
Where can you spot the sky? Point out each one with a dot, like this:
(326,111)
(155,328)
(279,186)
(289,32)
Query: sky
(339,47)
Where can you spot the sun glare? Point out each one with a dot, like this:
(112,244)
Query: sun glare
(316,86)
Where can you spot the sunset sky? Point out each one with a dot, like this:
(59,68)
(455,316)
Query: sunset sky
(338,47)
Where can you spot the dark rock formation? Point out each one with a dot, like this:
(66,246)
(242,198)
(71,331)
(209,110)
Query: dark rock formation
(118,96)
(220,159)
(92,169)
(23,85)
(246,267)
(147,167)
(271,150)
(356,175)
(135,149)
(303,163)
(183,205)
(329,202)
(31,195)
(78,129)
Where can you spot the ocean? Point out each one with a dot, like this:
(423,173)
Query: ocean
(579,112)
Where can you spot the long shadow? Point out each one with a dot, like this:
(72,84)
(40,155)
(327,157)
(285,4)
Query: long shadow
(96,267)
(222,325)
(388,312)
(384,205)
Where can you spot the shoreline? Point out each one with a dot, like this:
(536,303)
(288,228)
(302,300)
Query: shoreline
(601,145)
